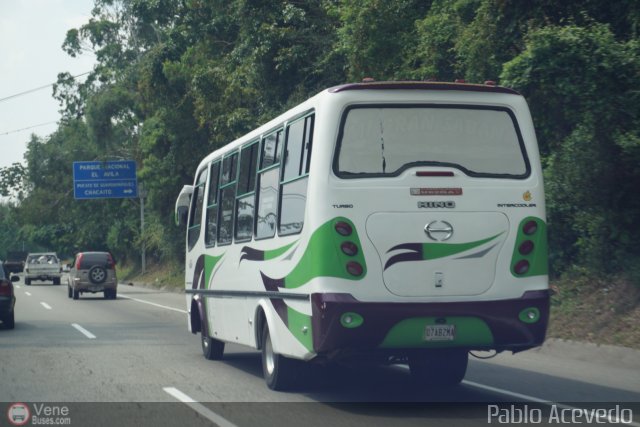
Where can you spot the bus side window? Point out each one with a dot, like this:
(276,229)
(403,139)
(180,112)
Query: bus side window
(267,216)
(212,206)
(307,143)
(295,176)
(271,149)
(227,199)
(197,203)
(245,204)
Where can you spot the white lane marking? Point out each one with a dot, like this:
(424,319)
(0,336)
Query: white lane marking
(153,303)
(84,331)
(507,392)
(198,407)
(45,305)
(17,286)
(27,293)
(529,398)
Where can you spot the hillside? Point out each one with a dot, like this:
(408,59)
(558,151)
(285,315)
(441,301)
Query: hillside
(596,311)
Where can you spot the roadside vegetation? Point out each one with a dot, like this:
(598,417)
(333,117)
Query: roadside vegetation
(177,79)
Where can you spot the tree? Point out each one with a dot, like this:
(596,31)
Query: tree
(583,90)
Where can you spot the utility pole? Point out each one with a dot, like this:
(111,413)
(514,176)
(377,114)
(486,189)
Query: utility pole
(142,193)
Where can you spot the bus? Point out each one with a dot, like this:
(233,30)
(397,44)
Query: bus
(401,222)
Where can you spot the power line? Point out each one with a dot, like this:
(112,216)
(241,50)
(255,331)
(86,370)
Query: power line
(26,92)
(27,128)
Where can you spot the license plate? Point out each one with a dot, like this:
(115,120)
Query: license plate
(440,333)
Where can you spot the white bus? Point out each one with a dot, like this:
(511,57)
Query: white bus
(400,221)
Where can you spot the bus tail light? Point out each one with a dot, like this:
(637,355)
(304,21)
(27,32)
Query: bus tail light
(349,262)
(343,228)
(349,248)
(530,249)
(530,228)
(526,247)
(521,267)
(530,315)
(354,268)
(351,320)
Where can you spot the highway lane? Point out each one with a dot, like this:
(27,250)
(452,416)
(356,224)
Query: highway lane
(137,349)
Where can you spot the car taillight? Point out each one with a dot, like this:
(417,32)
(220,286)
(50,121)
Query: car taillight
(110,262)
(79,262)
(6,288)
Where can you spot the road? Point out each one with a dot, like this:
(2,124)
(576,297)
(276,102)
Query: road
(95,356)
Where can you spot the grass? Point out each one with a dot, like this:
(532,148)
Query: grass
(596,310)
(162,276)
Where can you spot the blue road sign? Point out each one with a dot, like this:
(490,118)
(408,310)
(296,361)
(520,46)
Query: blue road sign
(105,180)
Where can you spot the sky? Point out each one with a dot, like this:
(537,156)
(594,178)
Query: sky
(31,56)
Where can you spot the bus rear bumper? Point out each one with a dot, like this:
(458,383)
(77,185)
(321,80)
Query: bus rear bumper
(341,322)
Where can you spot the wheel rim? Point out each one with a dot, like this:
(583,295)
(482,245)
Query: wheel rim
(205,342)
(269,358)
(98,275)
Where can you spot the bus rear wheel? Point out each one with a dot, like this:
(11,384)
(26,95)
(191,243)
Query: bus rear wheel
(212,349)
(445,367)
(279,371)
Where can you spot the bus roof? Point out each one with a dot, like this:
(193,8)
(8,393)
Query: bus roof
(422,85)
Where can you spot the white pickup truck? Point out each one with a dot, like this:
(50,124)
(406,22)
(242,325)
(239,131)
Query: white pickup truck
(42,266)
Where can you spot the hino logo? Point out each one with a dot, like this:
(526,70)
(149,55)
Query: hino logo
(437,205)
(439,230)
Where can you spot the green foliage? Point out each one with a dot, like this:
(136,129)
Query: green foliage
(583,89)
(12,181)
(373,36)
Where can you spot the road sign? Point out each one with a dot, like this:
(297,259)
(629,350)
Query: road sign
(105,180)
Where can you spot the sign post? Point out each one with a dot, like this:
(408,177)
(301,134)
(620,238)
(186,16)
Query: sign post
(109,180)
(105,180)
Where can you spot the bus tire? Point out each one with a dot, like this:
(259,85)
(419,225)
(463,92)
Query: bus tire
(212,349)
(445,367)
(279,371)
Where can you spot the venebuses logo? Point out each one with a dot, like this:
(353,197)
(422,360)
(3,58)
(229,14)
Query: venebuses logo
(19,414)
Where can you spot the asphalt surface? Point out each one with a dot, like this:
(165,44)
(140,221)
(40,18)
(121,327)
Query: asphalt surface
(133,361)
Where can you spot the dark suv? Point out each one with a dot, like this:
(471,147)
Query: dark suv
(93,272)
(7,298)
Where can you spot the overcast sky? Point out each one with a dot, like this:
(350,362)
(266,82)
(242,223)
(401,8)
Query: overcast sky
(31,56)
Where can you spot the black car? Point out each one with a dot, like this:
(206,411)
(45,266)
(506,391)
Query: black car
(7,298)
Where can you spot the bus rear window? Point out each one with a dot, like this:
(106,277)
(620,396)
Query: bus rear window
(380,141)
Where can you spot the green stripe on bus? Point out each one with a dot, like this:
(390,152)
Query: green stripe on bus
(440,250)
(209,264)
(275,253)
(300,327)
(324,258)
(410,333)
(538,258)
